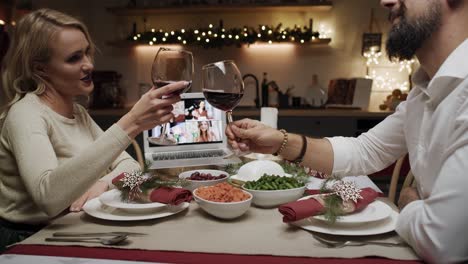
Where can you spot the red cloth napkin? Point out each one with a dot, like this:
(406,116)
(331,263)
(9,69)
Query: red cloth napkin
(169,195)
(166,195)
(298,210)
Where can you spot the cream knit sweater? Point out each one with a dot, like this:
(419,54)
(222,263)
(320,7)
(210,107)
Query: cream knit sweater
(47,161)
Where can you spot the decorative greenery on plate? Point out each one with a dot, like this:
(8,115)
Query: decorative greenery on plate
(139,182)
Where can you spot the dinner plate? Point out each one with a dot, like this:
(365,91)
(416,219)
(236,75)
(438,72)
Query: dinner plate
(112,199)
(343,229)
(96,209)
(375,211)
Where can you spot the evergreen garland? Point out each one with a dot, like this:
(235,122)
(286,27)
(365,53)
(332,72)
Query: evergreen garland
(218,37)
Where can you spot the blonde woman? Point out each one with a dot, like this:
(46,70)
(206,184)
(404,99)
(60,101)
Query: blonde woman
(53,156)
(205,133)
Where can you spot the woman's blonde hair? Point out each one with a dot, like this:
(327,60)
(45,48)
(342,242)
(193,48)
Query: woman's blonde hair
(30,47)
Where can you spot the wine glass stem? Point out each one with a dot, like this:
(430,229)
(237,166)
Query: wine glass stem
(229,116)
(163,133)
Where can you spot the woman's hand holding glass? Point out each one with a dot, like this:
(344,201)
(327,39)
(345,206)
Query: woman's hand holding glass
(154,108)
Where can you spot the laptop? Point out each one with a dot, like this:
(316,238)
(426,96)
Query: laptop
(198,131)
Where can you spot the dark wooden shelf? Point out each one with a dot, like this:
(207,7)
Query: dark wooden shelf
(127,11)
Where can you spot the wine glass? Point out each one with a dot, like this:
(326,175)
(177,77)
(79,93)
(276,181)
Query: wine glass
(223,87)
(170,66)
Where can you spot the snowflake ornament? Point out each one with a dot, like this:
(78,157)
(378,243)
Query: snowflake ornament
(133,179)
(347,191)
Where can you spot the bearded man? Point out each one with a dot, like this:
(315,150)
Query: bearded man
(431,126)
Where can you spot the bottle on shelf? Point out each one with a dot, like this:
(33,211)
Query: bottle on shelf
(316,95)
(265,89)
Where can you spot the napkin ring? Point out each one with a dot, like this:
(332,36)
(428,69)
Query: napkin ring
(283,144)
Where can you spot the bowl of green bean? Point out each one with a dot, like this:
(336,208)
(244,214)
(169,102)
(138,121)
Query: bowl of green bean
(274,190)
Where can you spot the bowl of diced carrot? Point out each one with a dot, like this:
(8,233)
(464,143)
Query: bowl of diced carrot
(223,200)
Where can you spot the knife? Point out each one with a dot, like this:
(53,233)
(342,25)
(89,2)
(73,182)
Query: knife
(84,234)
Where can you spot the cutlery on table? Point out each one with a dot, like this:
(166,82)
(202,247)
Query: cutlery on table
(105,241)
(348,243)
(96,234)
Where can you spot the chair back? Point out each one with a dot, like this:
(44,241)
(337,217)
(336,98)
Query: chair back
(409,179)
(138,153)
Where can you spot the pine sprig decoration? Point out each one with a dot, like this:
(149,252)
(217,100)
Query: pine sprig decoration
(333,208)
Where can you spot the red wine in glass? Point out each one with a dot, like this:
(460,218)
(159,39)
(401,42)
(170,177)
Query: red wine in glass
(223,87)
(222,100)
(169,66)
(160,84)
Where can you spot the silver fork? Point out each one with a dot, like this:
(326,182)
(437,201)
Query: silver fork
(348,243)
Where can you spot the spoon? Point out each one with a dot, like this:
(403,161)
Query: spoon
(344,243)
(105,241)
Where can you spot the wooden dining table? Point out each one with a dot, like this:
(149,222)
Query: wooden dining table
(194,236)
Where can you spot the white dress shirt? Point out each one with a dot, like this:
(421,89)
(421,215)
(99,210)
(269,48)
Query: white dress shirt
(432,126)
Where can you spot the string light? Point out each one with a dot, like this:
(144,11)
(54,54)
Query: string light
(372,57)
(213,36)
(386,82)
(406,65)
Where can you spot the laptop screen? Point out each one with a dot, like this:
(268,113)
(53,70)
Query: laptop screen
(196,122)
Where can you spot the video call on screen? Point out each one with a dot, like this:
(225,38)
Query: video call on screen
(195,122)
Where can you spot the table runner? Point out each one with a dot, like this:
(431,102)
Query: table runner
(259,232)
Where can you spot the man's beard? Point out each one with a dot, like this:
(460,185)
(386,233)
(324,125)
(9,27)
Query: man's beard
(406,37)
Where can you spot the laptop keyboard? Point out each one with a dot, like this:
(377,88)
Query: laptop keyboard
(189,155)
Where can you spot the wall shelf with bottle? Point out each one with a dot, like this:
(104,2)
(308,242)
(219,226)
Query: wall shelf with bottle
(321,5)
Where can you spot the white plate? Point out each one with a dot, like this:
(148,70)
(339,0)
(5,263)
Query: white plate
(112,199)
(96,209)
(375,211)
(366,229)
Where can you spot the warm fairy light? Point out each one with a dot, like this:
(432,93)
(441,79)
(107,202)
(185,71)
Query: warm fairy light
(386,82)
(207,40)
(185,42)
(219,36)
(407,65)
(270,42)
(151,42)
(324,31)
(372,57)
(2,22)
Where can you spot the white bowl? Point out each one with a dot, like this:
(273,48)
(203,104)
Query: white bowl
(192,185)
(224,210)
(253,170)
(263,198)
